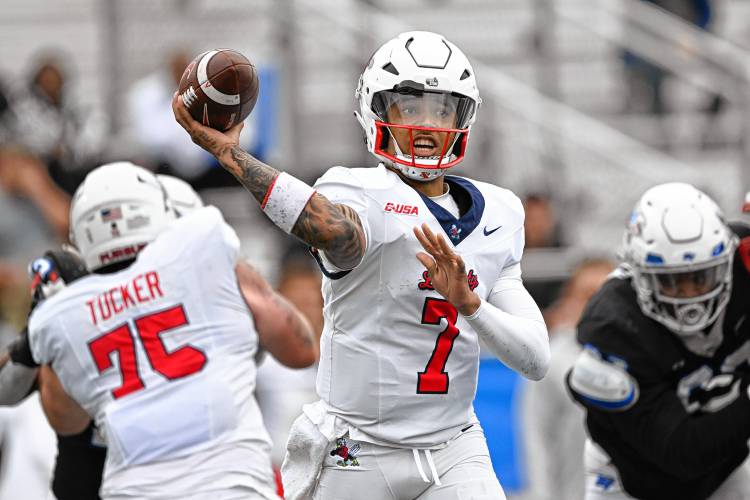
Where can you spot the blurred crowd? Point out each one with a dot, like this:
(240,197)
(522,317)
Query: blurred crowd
(49,141)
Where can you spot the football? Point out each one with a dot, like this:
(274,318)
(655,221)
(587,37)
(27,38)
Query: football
(219,88)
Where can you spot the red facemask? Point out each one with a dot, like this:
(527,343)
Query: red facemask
(446,149)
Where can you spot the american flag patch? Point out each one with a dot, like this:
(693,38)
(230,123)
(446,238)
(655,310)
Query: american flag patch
(110,214)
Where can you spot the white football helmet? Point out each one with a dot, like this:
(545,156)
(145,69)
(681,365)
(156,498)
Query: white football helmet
(422,78)
(117,210)
(680,251)
(182,197)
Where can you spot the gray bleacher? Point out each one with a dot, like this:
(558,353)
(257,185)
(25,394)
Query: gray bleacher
(113,43)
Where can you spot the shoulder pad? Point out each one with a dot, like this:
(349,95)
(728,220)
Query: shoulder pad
(502,196)
(603,383)
(343,176)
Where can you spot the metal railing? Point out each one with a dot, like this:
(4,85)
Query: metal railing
(694,54)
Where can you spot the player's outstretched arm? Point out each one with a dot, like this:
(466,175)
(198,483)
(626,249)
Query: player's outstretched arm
(288,202)
(65,416)
(282,329)
(510,322)
(18,371)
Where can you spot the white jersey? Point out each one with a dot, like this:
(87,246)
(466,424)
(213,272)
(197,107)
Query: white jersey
(161,355)
(398,363)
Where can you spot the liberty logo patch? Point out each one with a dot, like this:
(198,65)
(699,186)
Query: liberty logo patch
(347,453)
(454,232)
(426,283)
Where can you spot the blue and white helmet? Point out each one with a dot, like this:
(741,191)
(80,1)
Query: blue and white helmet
(680,251)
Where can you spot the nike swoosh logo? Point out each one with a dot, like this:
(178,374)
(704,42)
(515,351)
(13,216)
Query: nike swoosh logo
(487,233)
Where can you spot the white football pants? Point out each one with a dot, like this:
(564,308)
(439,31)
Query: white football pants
(603,480)
(460,471)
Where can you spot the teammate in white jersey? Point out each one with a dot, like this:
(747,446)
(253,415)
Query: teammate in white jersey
(158,345)
(419,266)
(80,457)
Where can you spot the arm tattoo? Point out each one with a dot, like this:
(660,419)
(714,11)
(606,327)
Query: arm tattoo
(293,320)
(252,173)
(335,229)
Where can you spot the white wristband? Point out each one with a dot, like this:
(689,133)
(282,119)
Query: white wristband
(285,200)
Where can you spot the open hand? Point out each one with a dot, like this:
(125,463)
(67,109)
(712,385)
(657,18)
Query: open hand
(214,141)
(446,270)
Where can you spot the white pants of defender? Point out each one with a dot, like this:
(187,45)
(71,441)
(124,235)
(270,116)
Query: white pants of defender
(603,480)
(463,467)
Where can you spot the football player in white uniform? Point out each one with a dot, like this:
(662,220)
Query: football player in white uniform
(158,345)
(80,457)
(419,267)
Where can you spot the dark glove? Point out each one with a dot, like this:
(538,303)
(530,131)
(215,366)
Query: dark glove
(50,273)
(20,350)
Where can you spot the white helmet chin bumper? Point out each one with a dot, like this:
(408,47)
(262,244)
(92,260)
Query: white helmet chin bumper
(420,174)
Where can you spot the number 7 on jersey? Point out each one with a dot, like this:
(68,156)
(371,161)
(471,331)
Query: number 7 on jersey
(434,379)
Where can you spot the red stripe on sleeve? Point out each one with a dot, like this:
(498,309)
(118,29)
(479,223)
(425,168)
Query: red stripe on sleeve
(268,193)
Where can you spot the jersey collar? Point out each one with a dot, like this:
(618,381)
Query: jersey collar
(458,229)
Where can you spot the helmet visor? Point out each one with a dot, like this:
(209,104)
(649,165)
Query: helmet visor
(410,105)
(689,284)
(688,299)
